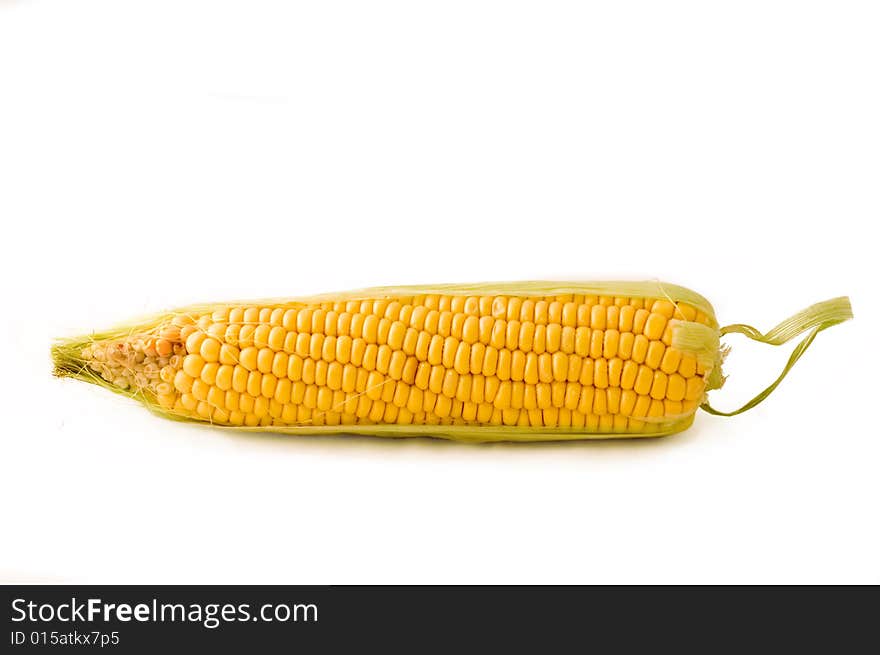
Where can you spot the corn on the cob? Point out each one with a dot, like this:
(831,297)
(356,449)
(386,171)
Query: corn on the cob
(524,361)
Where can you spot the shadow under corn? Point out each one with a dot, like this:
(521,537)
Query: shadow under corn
(342,445)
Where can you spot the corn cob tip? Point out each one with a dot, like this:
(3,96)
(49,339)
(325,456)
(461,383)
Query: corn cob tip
(139,362)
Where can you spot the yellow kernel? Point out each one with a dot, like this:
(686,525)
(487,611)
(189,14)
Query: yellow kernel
(267,385)
(664,308)
(612,317)
(290,342)
(435,379)
(490,361)
(349,378)
(254,383)
(498,338)
(422,375)
(294,367)
(644,381)
(610,343)
(265,360)
(531,369)
(463,390)
(450,345)
(627,402)
(655,354)
(567,340)
(334,376)
(395,364)
(586,377)
(457,326)
(559,366)
(396,333)
(545,367)
(625,320)
(582,339)
(374,385)
(517,365)
(600,403)
(288,321)
(554,337)
(671,360)
(569,314)
(694,389)
(598,316)
(615,371)
(625,345)
(504,361)
(502,397)
(687,367)
(282,390)
(194,341)
(209,372)
(475,353)
(240,378)
(298,392)
(200,389)
(640,348)
(672,408)
(499,307)
(600,373)
(304,320)
(572,396)
(188,401)
(462,358)
(371,328)
(443,406)
(303,344)
(192,365)
(512,334)
(205,409)
(324,399)
(525,338)
(450,383)
(628,374)
(321,373)
(228,354)
(639,320)
(490,389)
(435,350)
(308,371)
(658,386)
(328,349)
(574,368)
(541,312)
(279,364)
(276,338)
(543,395)
(261,335)
(248,358)
(676,387)
(613,399)
(643,404)
(654,326)
(444,323)
(685,312)
(597,343)
(470,331)
(316,346)
(183,382)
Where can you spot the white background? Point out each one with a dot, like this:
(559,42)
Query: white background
(154,154)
